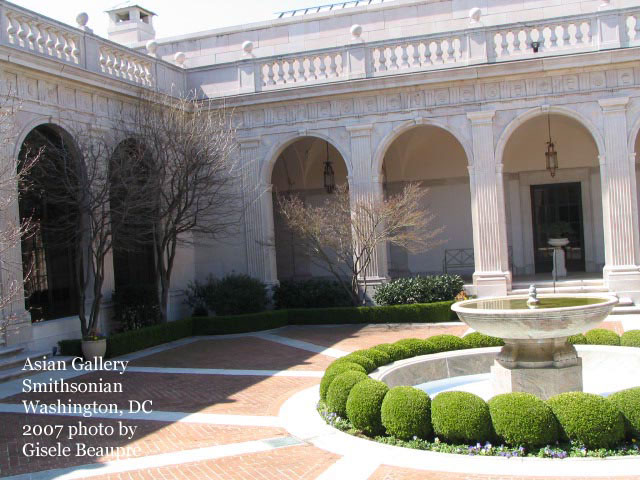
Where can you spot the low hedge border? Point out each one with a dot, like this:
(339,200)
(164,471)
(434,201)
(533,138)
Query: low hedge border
(496,419)
(134,340)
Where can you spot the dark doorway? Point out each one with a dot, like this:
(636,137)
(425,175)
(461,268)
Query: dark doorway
(554,206)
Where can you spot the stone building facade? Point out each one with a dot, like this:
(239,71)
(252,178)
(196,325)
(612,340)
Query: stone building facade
(459,95)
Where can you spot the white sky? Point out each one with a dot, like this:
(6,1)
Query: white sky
(175,17)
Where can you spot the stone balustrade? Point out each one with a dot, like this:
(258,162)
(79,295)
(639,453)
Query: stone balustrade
(29,32)
(606,29)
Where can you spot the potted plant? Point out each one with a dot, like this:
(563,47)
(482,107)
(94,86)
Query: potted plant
(558,233)
(94,345)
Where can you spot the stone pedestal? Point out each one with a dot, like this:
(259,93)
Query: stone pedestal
(559,263)
(542,382)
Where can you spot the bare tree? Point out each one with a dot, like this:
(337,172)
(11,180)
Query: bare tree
(12,228)
(342,235)
(192,175)
(79,175)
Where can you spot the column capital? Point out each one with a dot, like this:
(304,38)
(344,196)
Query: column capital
(613,104)
(360,130)
(481,116)
(248,142)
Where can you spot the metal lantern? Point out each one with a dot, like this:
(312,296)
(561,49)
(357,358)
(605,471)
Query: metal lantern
(329,175)
(551,154)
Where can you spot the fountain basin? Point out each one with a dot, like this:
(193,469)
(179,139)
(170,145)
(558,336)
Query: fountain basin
(556,316)
(536,357)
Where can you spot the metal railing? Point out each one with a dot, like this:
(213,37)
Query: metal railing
(464,258)
(327,8)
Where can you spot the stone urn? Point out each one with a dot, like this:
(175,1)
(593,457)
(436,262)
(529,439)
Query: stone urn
(94,348)
(558,242)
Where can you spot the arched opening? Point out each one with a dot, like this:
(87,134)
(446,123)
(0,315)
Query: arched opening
(435,159)
(301,170)
(636,150)
(540,205)
(133,252)
(49,259)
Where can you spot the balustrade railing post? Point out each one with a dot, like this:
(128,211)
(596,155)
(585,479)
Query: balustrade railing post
(246,77)
(477,48)
(357,61)
(608,31)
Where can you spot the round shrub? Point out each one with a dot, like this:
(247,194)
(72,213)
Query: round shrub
(419,289)
(630,338)
(461,417)
(367,363)
(588,419)
(339,391)
(395,352)
(378,357)
(522,419)
(333,371)
(601,336)
(628,402)
(416,346)
(578,339)
(446,343)
(406,413)
(480,340)
(364,405)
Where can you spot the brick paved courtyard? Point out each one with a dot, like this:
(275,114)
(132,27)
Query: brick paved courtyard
(216,403)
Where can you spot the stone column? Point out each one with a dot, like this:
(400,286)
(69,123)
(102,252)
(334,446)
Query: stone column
(366,186)
(15,322)
(492,275)
(258,215)
(619,203)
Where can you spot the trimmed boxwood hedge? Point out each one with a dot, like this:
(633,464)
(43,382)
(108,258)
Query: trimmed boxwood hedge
(578,339)
(628,402)
(480,340)
(366,362)
(416,346)
(588,419)
(378,357)
(461,417)
(339,391)
(630,338)
(447,343)
(134,340)
(601,336)
(406,413)
(522,419)
(364,405)
(395,351)
(333,371)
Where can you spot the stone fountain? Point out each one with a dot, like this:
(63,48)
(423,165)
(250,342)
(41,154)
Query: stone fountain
(536,357)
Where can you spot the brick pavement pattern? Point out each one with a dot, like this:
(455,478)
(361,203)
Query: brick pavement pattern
(355,337)
(151,438)
(244,395)
(386,472)
(249,353)
(290,463)
(233,394)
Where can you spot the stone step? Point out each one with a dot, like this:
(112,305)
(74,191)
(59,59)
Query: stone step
(18,359)
(562,289)
(626,310)
(10,351)
(596,282)
(17,371)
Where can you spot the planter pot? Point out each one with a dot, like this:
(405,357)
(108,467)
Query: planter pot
(94,348)
(558,242)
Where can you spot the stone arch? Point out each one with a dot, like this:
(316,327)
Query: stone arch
(392,136)
(536,202)
(35,123)
(633,136)
(543,110)
(49,254)
(276,150)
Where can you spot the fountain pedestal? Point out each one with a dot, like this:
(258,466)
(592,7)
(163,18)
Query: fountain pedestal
(544,367)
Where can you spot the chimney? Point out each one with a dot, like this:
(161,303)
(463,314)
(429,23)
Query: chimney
(130,24)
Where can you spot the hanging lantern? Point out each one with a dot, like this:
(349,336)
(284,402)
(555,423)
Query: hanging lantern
(329,176)
(551,154)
